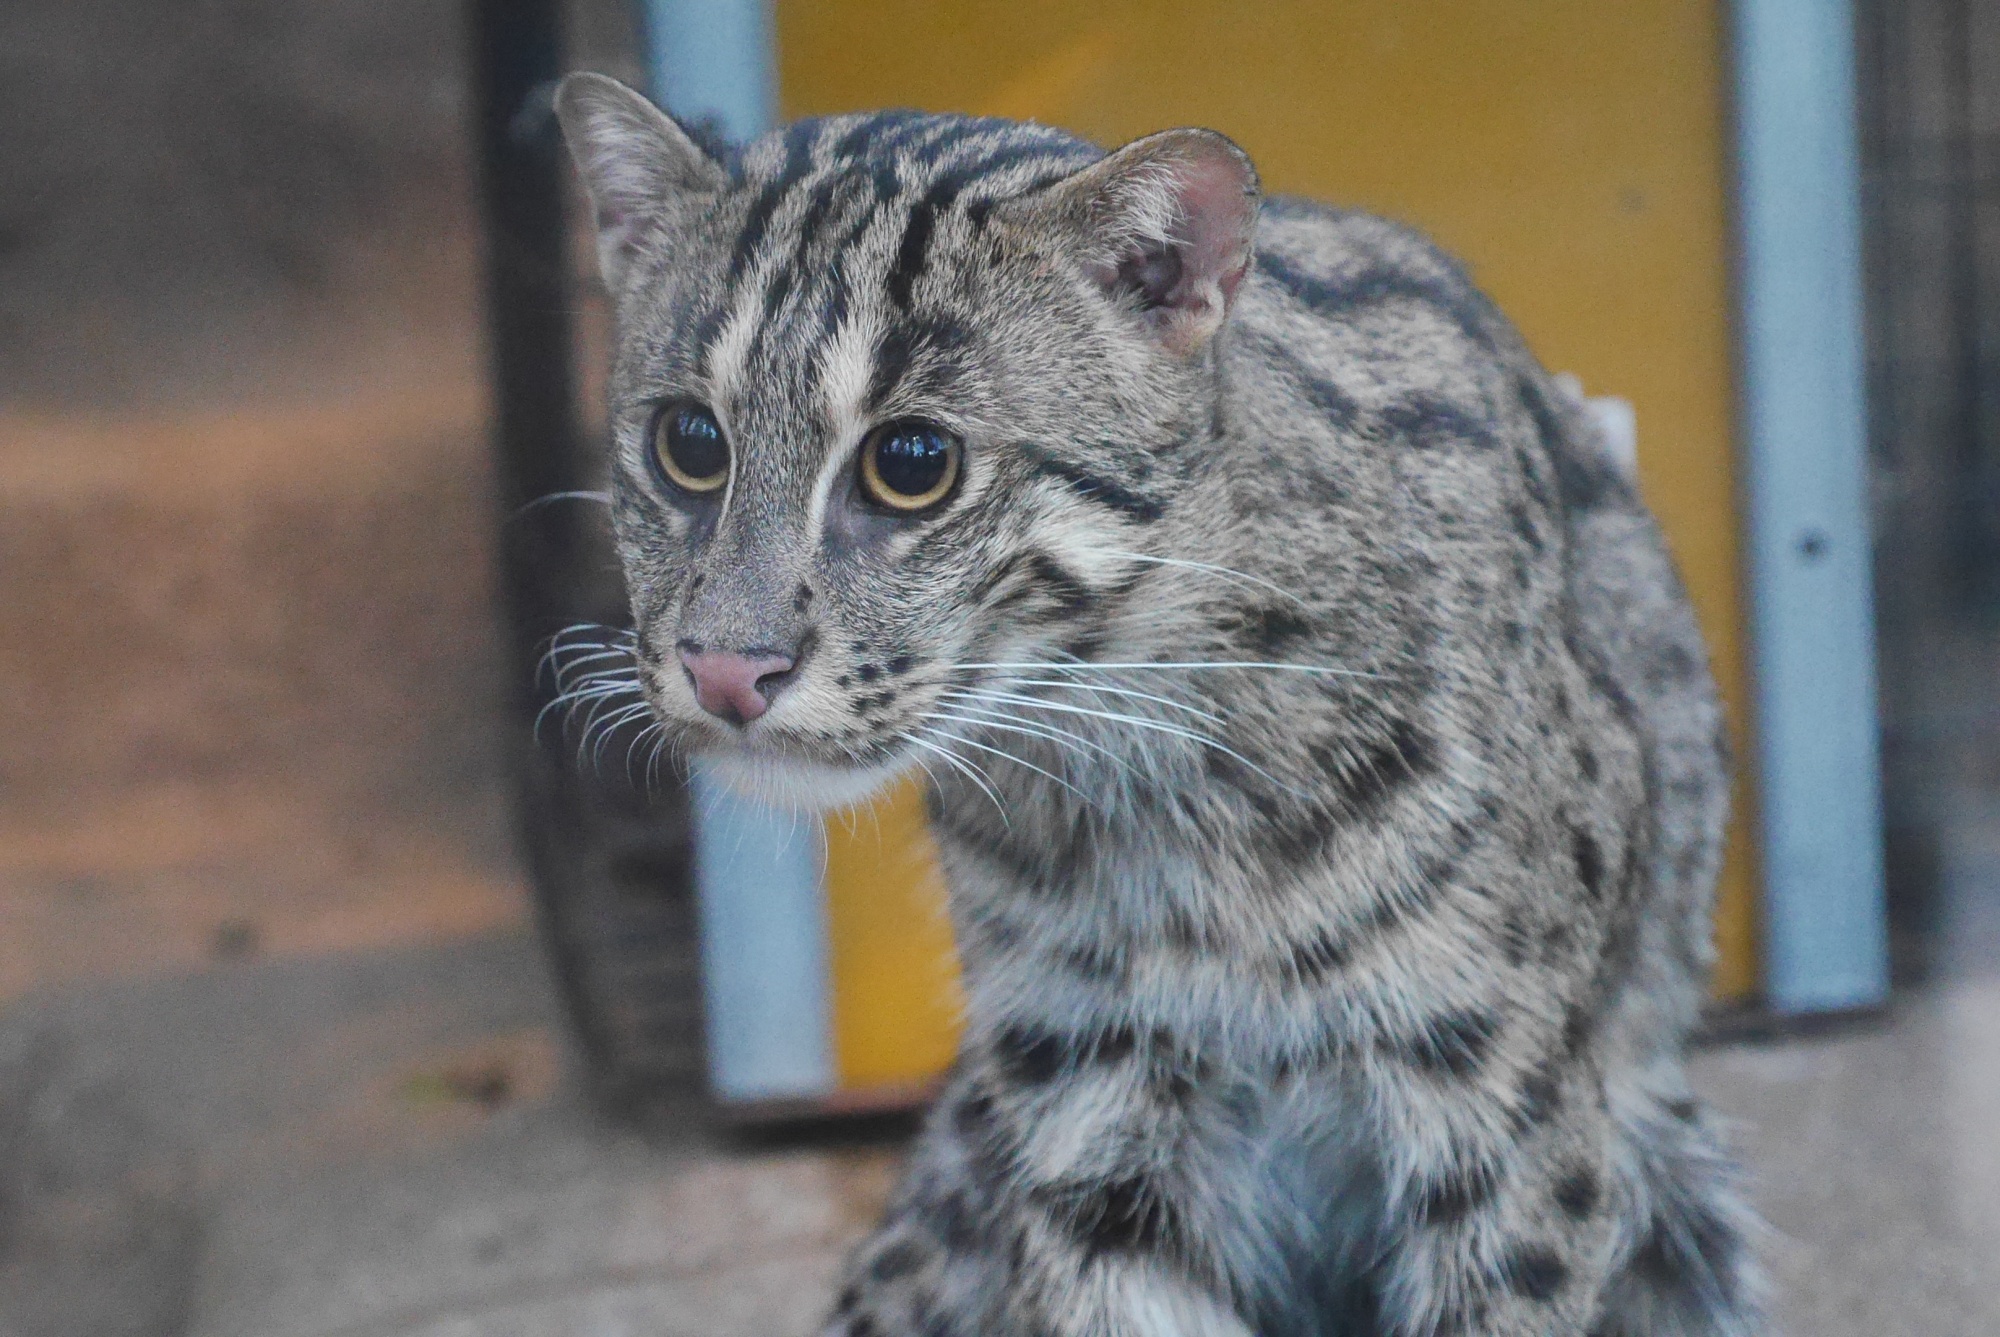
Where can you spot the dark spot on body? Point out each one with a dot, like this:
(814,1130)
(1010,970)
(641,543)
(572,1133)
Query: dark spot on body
(1438,867)
(1684,1109)
(1578,1023)
(957,1222)
(1535,1272)
(1454,1042)
(901,343)
(1085,644)
(1589,863)
(1092,962)
(867,672)
(1059,584)
(898,1260)
(1450,1199)
(1576,1193)
(1122,1216)
(1384,767)
(1272,629)
(1318,957)
(973,1115)
(1541,1094)
(1586,762)
(1030,1056)
(901,664)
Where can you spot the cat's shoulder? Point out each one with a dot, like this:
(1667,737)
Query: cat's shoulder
(1315,251)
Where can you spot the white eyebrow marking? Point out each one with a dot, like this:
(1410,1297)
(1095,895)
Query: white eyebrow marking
(845,373)
(727,358)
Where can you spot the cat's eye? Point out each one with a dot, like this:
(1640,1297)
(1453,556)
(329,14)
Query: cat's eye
(689,448)
(909,465)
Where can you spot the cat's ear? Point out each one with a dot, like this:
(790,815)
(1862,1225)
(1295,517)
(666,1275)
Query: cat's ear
(1166,224)
(636,161)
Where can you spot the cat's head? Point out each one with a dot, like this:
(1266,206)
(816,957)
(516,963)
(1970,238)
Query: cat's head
(894,396)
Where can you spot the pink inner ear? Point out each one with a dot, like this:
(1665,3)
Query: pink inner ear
(1216,209)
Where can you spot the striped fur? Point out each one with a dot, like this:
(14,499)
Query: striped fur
(1321,745)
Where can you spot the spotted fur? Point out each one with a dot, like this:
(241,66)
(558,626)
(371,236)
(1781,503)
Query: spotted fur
(1321,746)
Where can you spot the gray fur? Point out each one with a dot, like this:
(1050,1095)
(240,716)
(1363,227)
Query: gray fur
(1338,989)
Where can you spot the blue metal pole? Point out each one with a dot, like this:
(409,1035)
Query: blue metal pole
(1798,194)
(714,58)
(765,987)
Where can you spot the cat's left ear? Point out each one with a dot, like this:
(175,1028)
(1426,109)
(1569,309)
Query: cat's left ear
(1165,224)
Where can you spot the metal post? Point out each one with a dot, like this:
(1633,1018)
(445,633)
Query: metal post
(1806,466)
(765,986)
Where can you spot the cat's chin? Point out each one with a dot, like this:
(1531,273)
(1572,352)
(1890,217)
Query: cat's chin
(798,785)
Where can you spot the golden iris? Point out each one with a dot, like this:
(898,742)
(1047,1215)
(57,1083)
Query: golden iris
(690,449)
(910,465)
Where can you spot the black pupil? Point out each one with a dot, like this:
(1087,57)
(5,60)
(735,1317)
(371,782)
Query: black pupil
(694,440)
(912,460)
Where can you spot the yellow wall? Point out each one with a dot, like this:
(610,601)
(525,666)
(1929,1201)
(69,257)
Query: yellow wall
(1570,150)
(896,1000)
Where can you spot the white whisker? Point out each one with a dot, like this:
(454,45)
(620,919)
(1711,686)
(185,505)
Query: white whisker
(1235,577)
(601,498)
(1093,666)
(1137,721)
(1119,691)
(994,719)
(1018,761)
(965,768)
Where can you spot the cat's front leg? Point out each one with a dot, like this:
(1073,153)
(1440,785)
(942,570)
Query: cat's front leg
(970,1247)
(1503,1225)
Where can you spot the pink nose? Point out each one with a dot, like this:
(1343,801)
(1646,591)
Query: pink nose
(733,687)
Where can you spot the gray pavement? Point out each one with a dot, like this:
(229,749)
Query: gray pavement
(390,1144)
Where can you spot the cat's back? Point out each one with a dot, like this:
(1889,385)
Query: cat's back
(1433,419)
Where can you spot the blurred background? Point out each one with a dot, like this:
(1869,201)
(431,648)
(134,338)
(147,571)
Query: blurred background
(334,1000)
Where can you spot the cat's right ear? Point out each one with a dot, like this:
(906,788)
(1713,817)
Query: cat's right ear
(636,161)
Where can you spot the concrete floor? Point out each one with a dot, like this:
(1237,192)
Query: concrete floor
(387,1143)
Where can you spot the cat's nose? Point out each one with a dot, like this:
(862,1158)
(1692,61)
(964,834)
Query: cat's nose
(733,687)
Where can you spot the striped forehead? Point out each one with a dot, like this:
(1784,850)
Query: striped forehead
(844,209)
(814,310)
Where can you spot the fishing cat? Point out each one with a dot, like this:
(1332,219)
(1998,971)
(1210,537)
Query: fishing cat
(1321,746)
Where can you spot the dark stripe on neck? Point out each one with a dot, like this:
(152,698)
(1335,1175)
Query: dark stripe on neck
(1090,486)
(1377,286)
(1334,403)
